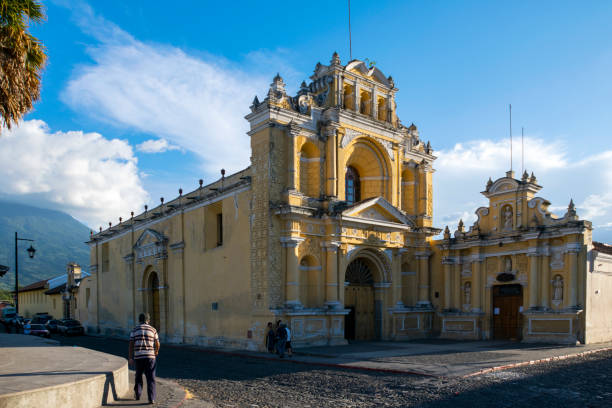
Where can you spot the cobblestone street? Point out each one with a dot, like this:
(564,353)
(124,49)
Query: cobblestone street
(228,380)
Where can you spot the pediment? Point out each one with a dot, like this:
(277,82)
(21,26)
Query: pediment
(360,68)
(377,210)
(150,237)
(501,186)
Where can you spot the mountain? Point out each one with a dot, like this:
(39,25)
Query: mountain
(58,239)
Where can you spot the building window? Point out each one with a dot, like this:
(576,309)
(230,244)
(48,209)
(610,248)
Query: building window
(219,229)
(105,257)
(54,304)
(87,293)
(352,190)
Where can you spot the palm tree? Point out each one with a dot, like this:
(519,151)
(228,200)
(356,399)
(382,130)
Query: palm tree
(22,58)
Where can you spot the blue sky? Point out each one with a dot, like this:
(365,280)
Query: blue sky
(180,79)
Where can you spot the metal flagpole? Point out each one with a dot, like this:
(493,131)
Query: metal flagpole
(350,40)
(510,137)
(522,150)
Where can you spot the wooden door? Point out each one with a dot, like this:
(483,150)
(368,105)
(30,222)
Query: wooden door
(359,324)
(154,300)
(507,317)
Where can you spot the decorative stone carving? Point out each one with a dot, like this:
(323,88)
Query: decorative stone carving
(446,233)
(151,244)
(388,146)
(467,295)
(556,259)
(508,265)
(304,104)
(507,217)
(557,285)
(348,137)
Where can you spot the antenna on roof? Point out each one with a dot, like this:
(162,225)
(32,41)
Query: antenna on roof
(350,41)
(510,105)
(522,149)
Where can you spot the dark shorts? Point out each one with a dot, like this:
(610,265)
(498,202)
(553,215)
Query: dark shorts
(288,345)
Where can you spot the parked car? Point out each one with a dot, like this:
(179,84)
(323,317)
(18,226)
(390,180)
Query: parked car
(52,325)
(39,330)
(41,318)
(70,326)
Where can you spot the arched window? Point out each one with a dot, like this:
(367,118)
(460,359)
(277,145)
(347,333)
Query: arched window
(353,190)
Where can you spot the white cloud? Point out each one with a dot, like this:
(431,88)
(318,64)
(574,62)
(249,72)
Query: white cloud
(156,146)
(462,173)
(195,102)
(92,178)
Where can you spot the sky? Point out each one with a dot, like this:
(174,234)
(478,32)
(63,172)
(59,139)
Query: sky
(140,98)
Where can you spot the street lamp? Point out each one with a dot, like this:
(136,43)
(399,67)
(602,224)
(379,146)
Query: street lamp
(31,252)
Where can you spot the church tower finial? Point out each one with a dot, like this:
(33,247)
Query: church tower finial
(335,59)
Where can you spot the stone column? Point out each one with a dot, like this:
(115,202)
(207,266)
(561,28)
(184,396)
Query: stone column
(534,259)
(545,280)
(396,271)
(373,105)
(292,134)
(448,264)
(331,275)
(476,284)
(423,299)
(456,303)
(331,159)
(573,283)
(292,273)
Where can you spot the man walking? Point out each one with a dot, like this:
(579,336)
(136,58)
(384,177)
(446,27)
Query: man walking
(144,346)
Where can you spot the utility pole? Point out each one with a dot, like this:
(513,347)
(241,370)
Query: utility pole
(31,252)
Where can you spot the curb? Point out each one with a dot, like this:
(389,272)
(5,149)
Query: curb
(532,362)
(175,402)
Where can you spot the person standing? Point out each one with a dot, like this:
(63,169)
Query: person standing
(288,343)
(270,337)
(143,350)
(281,338)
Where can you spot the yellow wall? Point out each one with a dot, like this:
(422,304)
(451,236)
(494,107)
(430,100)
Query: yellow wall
(191,256)
(34,301)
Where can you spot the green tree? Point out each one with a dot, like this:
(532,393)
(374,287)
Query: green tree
(22,58)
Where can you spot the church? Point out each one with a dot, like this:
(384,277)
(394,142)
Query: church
(330,230)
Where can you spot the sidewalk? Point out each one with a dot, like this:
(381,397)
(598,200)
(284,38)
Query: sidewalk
(40,372)
(169,394)
(432,357)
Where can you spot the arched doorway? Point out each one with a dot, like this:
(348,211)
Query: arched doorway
(359,324)
(153,299)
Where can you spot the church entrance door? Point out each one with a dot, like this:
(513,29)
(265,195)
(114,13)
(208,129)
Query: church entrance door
(359,299)
(153,301)
(507,318)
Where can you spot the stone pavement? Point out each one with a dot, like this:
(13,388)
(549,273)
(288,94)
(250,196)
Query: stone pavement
(39,372)
(439,358)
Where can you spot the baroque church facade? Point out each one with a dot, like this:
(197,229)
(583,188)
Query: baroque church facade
(330,230)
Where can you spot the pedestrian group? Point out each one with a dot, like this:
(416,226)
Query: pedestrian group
(278,339)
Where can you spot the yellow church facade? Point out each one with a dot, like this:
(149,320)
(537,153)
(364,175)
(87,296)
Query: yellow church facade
(330,230)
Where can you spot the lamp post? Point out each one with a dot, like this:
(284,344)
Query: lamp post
(31,252)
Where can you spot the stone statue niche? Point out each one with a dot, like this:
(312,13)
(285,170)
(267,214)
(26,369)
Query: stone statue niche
(467,295)
(506,217)
(557,287)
